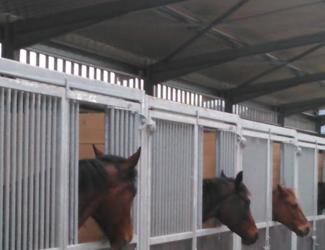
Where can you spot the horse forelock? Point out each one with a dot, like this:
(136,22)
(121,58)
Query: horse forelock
(129,174)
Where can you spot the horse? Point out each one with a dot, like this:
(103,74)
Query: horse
(321,198)
(287,210)
(226,199)
(106,191)
(112,210)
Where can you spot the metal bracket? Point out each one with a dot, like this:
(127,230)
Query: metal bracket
(241,140)
(147,124)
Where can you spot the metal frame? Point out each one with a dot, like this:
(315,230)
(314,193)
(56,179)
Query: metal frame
(69,88)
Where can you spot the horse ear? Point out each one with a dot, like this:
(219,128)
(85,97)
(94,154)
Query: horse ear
(239,179)
(281,189)
(132,161)
(223,174)
(97,151)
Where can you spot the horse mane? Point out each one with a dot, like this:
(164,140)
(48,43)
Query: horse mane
(92,174)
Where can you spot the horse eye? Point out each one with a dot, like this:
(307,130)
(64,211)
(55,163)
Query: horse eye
(294,206)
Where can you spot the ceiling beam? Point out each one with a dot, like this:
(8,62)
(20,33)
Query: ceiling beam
(165,71)
(48,26)
(302,106)
(257,90)
(219,19)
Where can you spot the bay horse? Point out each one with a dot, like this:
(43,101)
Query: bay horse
(226,199)
(321,198)
(106,191)
(111,208)
(287,210)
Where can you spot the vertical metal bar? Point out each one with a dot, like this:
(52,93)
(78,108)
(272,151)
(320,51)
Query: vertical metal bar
(20,166)
(43,169)
(26,172)
(48,170)
(32,174)
(71,166)
(315,195)
(127,135)
(2,124)
(37,170)
(7,170)
(122,127)
(112,132)
(107,128)
(13,170)
(268,217)
(76,160)
(117,132)
(53,173)
(195,180)
(63,174)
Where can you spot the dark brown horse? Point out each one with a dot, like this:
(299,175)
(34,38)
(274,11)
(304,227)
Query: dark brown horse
(226,199)
(287,210)
(321,198)
(111,209)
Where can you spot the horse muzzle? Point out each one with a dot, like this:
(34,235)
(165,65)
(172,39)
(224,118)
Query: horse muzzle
(249,239)
(304,231)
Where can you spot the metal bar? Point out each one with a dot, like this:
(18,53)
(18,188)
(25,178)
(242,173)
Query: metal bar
(195,182)
(48,172)
(117,131)
(7,171)
(13,166)
(72,170)
(112,132)
(107,127)
(2,158)
(204,30)
(54,167)
(42,173)
(20,168)
(76,161)
(32,175)
(127,133)
(37,171)
(26,168)
(268,192)
(122,128)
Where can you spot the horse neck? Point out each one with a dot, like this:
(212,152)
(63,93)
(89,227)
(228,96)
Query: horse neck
(214,192)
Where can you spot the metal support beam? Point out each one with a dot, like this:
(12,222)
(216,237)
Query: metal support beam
(298,107)
(166,71)
(228,106)
(8,51)
(34,30)
(257,90)
(205,29)
(283,64)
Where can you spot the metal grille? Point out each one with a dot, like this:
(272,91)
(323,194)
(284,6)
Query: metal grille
(280,238)
(219,241)
(122,139)
(255,172)
(226,153)
(200,179)
(172,178)
(256,114)
(306,180)
(73,171)
(28,161)
(179,245)
(320,232)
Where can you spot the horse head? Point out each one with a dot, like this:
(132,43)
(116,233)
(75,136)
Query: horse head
(114,214)
(287,210)
(234,210)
